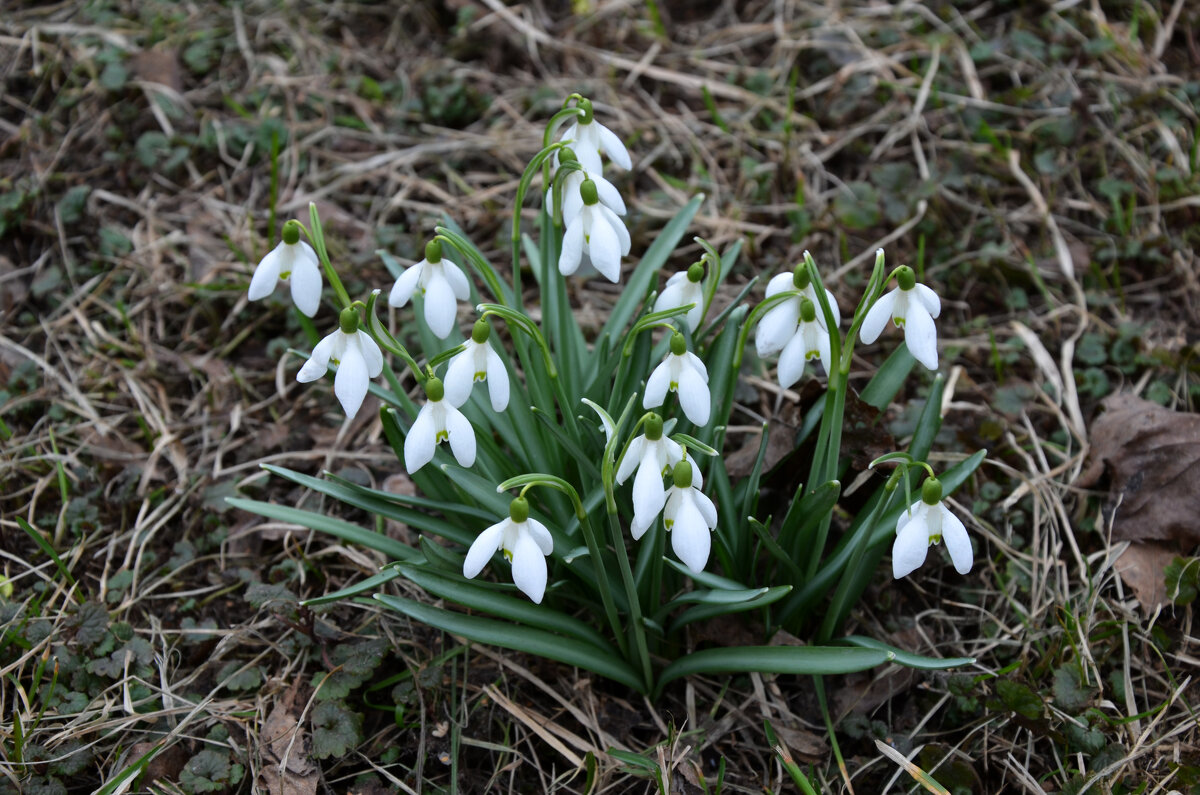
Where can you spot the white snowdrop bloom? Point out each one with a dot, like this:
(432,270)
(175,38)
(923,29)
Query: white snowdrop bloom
(293,261)
(690,517)
(441,282)
(589,137)
(681,289)
(778,325)
(356,356)
(609,196)
(596,232)
(477,361)
(438,421)
(925,523)
(683,373)
(810,340)
(652,455)
(913,307)
(525,543)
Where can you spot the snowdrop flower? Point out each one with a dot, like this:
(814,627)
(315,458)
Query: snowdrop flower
(913,307)
(684,288)
(924,524)
(652,455)
(356,356)
(440,281)
(778,325)
(438,421)
(809,341)
(588,137)
(684,373)
(690,517)
(477,361)
(293,261)
(525,543)
(572,181)
(597,232)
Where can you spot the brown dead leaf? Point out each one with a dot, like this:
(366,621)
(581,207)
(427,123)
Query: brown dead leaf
(1141,568)
(166,764)
(805,745)
(284,739)
(156,66)
(1151,456)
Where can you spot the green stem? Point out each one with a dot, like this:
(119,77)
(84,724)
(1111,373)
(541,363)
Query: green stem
(635,608)
(316,235)
(385,340)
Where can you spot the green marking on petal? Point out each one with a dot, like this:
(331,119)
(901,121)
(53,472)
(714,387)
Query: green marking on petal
(442,436)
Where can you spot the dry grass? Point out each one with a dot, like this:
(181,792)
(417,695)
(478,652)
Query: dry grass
(1037,165)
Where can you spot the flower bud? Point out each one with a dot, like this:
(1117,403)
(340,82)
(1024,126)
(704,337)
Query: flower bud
(696,272)
(931,491)
(905,277)
(518,510)
(348,320)
(291,233)
(433,251)
(654,428)
(481,331)
(682,474)
(434,389)
(678,344)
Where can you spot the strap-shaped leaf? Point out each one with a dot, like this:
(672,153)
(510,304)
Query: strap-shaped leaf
(887,381)
(369,584)
(907,658)
(807,660)
(525,639)
(327,524)
(707,611)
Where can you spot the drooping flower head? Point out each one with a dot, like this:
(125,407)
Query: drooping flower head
(690,517)
(809,341)
(925,523)
(596,232)
(684,373)
(681,289)
(571,184)
(652,455)
(778,325)
(292,261)
(440,281)
(525,543)
(913,307)
(477,361)
(588,137)
(438,421)
(356,356)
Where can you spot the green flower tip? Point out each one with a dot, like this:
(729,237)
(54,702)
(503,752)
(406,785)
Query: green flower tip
(567,155)
(291,233)
(682,474)
(348,320)
(588,191)
(518,510)
(678,344)
(654,426)
(931,491)
(800,277)
(586,106)
(808,310)
(905,277)
(696,272)
(481,331)
(434,389)
(433,251)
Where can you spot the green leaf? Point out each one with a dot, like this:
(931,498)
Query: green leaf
(1019,698)
(805,660)
(336,730)
(369,584)
(887,381)
(908,659)
(509,636)
(208,771)
(706,611)
(1183,580)
(1070,694)
(325,524)
(716,597)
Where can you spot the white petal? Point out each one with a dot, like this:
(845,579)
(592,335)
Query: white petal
(696,363)
(697,477)
(640,524)
(441,310)
(266,275)
(608,194)
(460,377)
(690,536)
(833,307)
(572,248)
(421,441)
(694,397)
(657,385)
(633,457)
(920,335)
(618,226)
(910,548)
(306,280)
(482,549)
(704,504)
(462,437)
(791,361)
(570,133)
(777,327)
(351,382)
(406,285)
(497,379)
(371,353)
(572,199)
(529,568)
(541,536)
(648,492)
(928,299)
(604,249)
(318,360)
(457,280)
(779,283)
(613,147)
(877,317)
(958,543)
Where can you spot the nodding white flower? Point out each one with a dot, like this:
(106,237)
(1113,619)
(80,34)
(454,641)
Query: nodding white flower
(597,232)
(588,137)
(778,325)
(809,341)
(652,455)
(690,517)
(477,361)
(293,261)
(683,373)
(913,307)
(438,421)
(684,288)
(927,522)
(525,542)
(441,282)
(357,357)
(573,181)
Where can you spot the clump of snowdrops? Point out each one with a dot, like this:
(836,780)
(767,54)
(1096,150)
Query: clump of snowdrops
(574,496)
